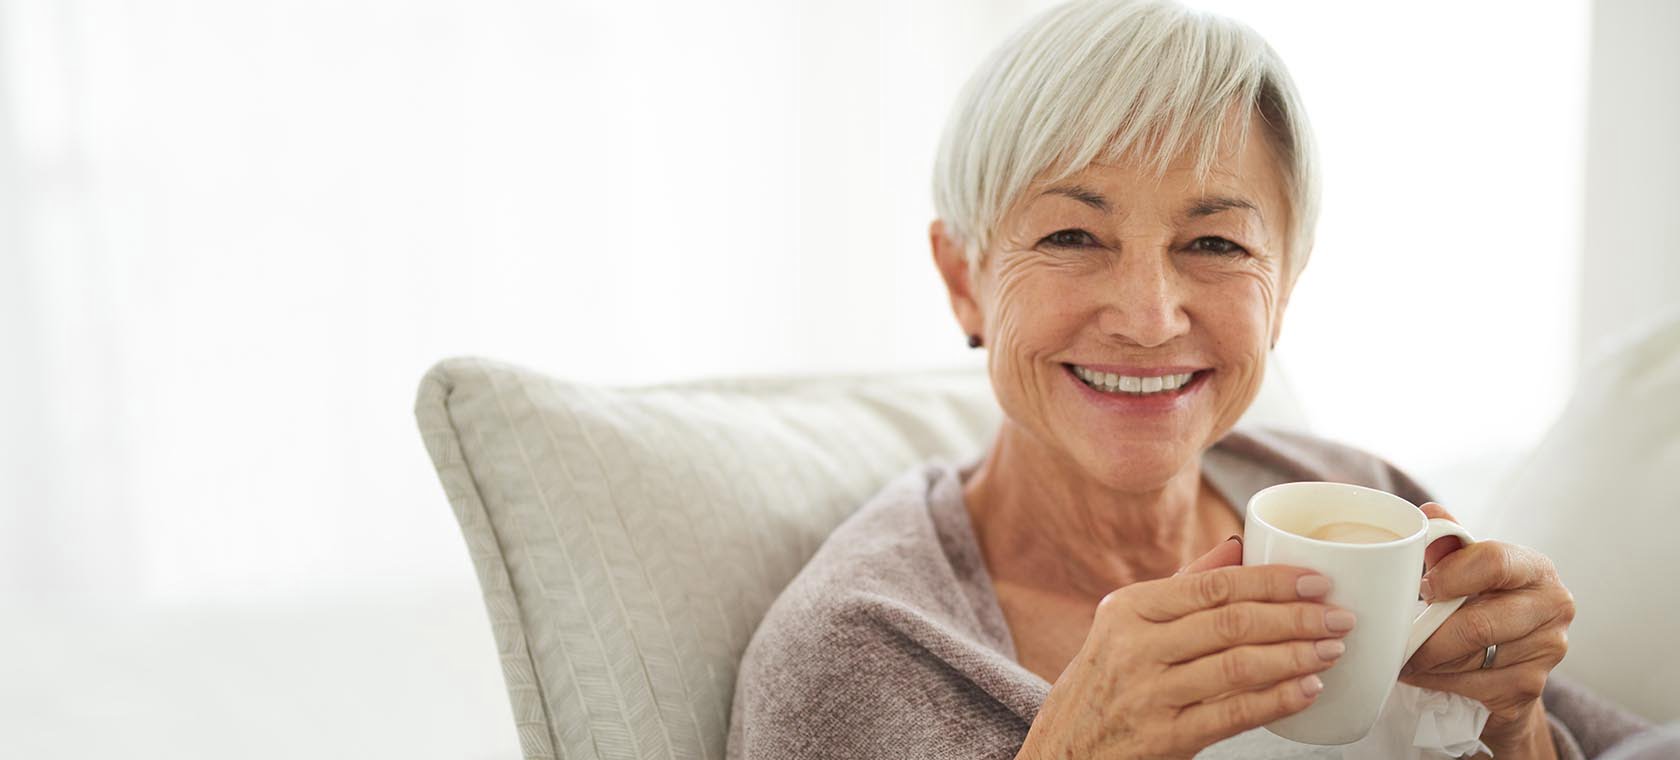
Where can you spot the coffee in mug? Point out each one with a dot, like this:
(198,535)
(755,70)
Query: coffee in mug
(1346,532)
(1370,544)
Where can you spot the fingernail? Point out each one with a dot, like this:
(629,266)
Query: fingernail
(1339,620)
(1423,588)
(1329,649)
(1312,585)
(1235,537)
(1311,686)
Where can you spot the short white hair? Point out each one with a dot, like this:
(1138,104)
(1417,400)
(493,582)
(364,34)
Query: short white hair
(1095,80)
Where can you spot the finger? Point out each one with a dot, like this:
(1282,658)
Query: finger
(1228,552)
(1435,510)
(1513,685)
(1247,668)
(1205,632)
(1549,641)
(1216,719)
(1482,621)
(1441,547)
(1485,566)
(1180,595)
(1546,646)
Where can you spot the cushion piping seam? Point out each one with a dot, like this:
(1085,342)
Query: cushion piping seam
(501,557)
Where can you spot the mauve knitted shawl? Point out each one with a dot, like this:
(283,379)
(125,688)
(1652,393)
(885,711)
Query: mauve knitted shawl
(890,642)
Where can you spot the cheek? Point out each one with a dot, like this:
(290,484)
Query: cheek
(1240,310)
(1029,317)
(1239,322)
(1025,315)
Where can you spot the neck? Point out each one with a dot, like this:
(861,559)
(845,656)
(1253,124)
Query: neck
(1045,524)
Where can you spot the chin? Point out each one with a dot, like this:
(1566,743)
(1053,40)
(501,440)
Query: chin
(1135,466)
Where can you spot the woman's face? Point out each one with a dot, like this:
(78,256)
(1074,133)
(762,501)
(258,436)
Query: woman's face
(1115,272)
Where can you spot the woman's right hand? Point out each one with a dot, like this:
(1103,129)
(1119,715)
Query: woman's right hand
(1173,665)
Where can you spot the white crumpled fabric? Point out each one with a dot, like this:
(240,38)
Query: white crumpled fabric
(1431,723)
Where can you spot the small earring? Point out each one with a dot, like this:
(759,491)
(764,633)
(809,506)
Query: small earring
(973,341)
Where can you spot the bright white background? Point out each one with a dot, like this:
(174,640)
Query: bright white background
(233,235)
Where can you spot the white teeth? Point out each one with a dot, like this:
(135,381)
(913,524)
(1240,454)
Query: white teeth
(1112,383)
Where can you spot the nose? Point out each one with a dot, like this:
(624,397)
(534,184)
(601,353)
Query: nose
(1144,300)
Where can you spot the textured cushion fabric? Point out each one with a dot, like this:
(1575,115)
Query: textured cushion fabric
(629,540)
(1613,459)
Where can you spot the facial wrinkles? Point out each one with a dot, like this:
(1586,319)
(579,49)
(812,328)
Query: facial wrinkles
(1012,274)
(1260,279)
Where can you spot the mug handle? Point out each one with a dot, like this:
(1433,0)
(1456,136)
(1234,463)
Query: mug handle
(1435,614)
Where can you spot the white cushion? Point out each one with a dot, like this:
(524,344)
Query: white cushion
(628,541)
(1613,459)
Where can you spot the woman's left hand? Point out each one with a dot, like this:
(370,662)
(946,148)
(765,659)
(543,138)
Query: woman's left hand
(1520,605)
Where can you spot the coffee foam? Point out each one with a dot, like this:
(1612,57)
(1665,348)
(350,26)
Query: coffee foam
(1347,532)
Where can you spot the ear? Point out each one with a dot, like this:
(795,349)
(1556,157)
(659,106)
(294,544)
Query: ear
(949,257)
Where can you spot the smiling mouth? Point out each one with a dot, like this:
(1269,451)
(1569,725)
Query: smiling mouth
(1136,385)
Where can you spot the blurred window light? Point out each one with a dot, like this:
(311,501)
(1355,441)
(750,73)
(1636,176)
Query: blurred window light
(237,234)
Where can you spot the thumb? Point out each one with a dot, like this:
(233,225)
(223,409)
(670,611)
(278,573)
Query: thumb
(1228,552)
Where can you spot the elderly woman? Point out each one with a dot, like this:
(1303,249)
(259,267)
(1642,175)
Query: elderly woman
(1126,195)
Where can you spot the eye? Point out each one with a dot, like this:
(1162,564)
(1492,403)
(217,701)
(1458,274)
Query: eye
(1068,238)
(1216,245)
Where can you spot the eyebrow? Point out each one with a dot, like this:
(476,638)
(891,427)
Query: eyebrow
(1082,194)
(1201,207)
(1216,203)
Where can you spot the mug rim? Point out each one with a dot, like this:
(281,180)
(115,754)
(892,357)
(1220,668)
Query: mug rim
(1423,528)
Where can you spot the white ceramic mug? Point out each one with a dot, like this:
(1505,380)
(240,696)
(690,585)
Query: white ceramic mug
(1378,582)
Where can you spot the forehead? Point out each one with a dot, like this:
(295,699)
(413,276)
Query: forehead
(1242,164)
